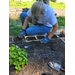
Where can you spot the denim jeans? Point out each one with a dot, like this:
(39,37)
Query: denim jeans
(36,29)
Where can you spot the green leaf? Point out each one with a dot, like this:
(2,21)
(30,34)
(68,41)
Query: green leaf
(10,60)
(19,52)
(15,63)
(16,71)
(19,68)
(13,45)
(25,58)
(23,52)
(20,58)
(17,57)
(23,63)
(19,49)
(26,54)
(26,63)
(21,55)
(12,55)
(10,48)
(16,67)
(20,63)
(10,63)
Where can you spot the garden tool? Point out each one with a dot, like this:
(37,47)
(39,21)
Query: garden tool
(27,46)
(55,66)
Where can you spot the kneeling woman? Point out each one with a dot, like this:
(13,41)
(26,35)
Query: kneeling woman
(43,18)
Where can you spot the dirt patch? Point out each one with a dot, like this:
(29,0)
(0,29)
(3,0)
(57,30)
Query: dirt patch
(15,12)
(39,55)
(59,12)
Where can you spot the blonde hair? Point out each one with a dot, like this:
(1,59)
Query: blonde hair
(37,8)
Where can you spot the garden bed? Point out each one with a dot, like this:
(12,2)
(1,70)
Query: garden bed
(39,55)
(15,39)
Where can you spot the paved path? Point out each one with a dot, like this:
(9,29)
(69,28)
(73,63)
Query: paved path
(60,12)
(15,12)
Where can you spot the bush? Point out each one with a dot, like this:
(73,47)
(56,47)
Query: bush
(17,57)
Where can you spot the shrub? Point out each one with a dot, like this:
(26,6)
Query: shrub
(17,57)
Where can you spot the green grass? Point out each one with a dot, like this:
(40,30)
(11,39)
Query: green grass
(24,4)
(61,21)
(55,5)
(28,4)
(15,27)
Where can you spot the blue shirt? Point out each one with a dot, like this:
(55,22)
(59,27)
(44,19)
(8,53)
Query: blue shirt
(48,18)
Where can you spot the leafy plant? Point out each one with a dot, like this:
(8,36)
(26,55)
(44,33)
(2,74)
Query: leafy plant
(17,57)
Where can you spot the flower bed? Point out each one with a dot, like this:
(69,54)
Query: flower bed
(39,55)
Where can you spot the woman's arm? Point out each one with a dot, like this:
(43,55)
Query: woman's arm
(55,27)
(26,22)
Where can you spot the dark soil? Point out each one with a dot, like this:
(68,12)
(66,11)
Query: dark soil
(61,35)
(40,37)
(39,55)
(30,38)
(54,36)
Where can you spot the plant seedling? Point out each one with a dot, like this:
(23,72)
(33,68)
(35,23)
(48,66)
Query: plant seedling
(17,57)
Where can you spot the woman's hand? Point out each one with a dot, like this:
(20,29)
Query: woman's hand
(45,40)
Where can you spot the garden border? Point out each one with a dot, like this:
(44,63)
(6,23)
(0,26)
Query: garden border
(12,39)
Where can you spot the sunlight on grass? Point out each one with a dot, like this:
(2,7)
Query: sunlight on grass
(24,4)
(57,5)
(28,4)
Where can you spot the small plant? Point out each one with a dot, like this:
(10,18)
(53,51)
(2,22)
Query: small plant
(62,31)
(17,57)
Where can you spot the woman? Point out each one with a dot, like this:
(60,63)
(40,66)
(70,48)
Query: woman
(43,17)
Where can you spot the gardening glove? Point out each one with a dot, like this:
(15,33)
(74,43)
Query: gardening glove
(45,40)
(22,34)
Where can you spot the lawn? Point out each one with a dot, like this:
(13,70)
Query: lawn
(28,4)
(61,21)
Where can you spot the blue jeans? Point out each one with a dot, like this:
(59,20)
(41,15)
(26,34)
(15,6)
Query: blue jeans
(34,30)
